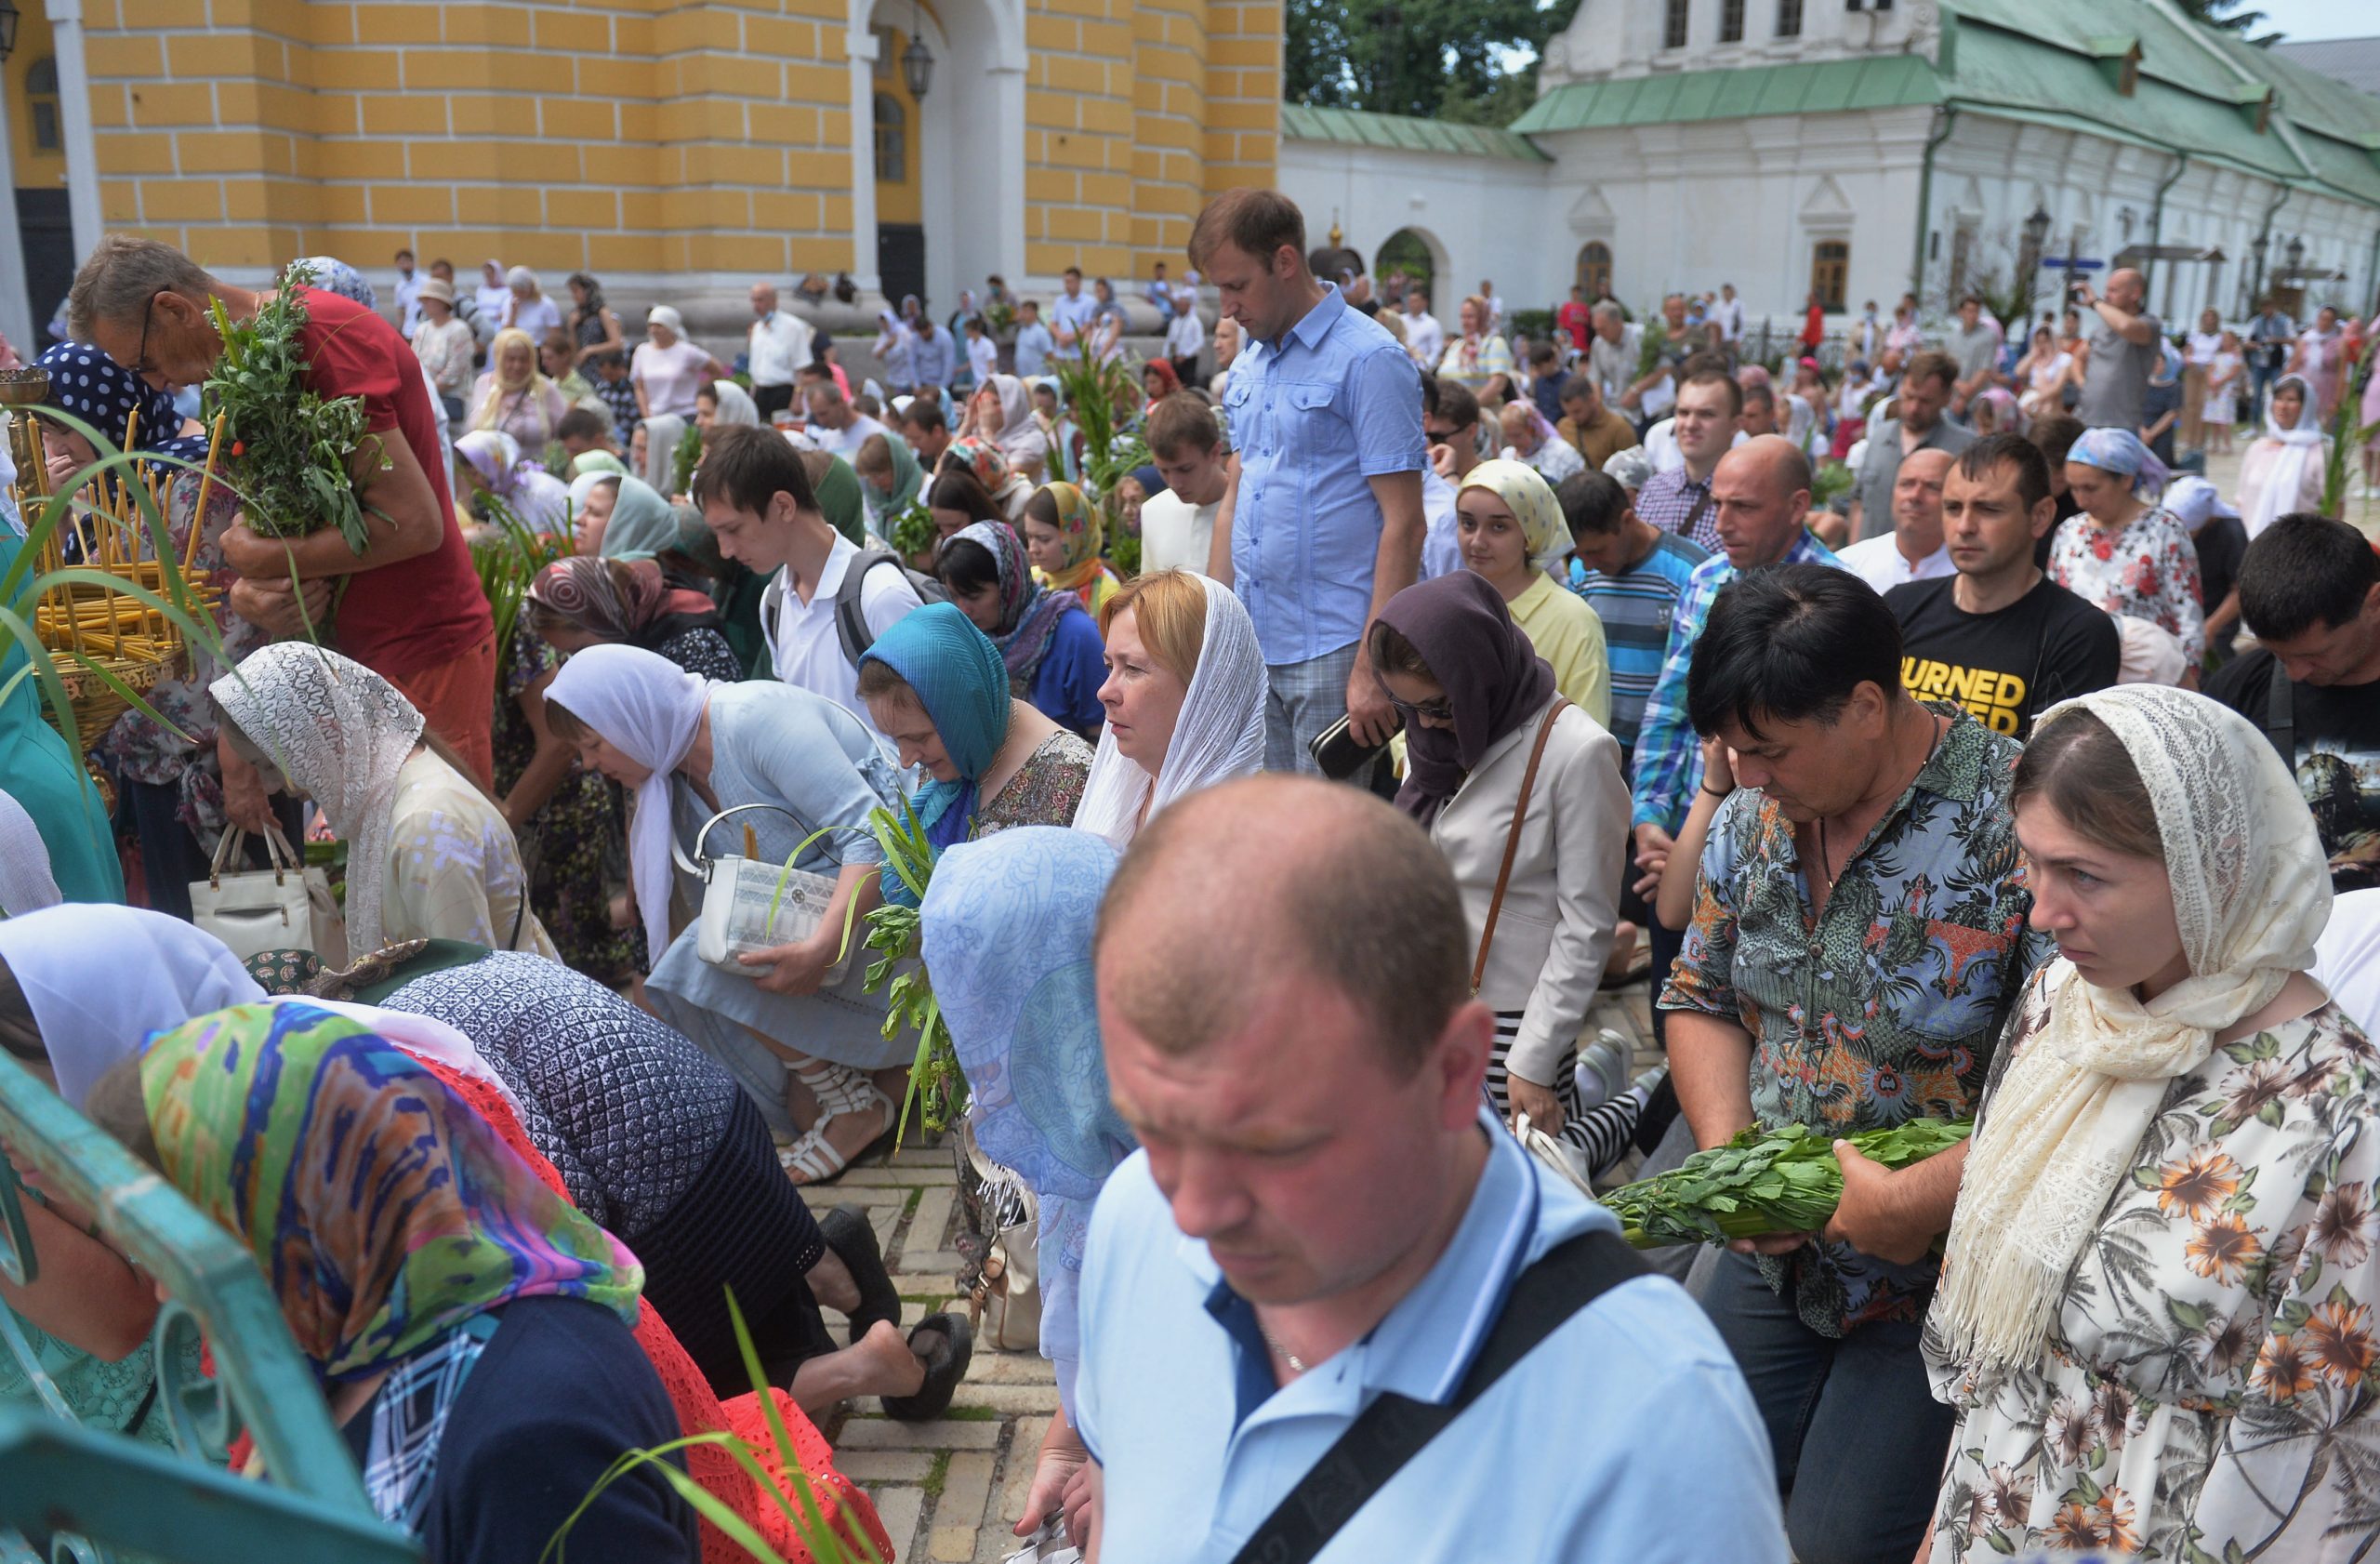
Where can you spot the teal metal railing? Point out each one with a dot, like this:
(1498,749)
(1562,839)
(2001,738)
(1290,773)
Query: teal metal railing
(93,1493)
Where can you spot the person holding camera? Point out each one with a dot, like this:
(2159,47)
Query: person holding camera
(2121,350)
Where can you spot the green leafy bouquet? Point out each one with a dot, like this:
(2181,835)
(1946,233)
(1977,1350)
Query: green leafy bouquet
(292,452)
(684,459)
(1778,1181)
(910,530)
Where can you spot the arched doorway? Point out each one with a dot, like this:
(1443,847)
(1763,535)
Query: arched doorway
(1594,270)
(1415,255)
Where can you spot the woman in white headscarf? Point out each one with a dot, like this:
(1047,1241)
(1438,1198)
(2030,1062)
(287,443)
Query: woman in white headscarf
(1185,700)
(723,404)
(1001,411)
(688,749)
(489,467)
(2156,1316)
(2282,469)
(429,856)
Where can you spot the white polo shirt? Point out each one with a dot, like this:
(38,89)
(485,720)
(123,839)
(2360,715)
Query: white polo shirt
(779,344)
(1879,562)
(803,644)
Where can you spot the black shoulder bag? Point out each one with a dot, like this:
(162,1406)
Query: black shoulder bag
(1394,1429)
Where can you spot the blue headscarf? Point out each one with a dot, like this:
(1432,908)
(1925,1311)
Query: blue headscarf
(94,388)
(961,681)
(1007,929)
(2120,451)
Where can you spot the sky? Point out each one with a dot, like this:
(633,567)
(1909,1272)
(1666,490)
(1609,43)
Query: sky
(2305,20)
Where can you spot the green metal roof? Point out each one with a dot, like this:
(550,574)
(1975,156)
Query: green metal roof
(1361,128)
(2043,61)
(1812,87)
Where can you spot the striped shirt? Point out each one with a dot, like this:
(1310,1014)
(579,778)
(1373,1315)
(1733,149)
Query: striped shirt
(1635,606)
(1673,501)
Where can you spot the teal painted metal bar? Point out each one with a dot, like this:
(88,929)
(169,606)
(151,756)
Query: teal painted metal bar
(126,1494)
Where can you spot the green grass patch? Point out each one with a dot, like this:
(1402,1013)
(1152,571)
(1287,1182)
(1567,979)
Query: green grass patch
(936,1474)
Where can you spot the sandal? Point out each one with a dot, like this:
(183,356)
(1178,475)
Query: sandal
(946,1366)
(849,1233)
(1634,970)
(814,1158)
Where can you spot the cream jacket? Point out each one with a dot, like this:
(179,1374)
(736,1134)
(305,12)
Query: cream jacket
(1562,901)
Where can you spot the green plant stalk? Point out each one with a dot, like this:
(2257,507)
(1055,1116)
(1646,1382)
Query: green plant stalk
(683,461)
(2347,437)
(1782,1181)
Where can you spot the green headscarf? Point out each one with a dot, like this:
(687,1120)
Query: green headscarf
(837,491)
(642,523)
(383,1211)
(597,462)
(43,773)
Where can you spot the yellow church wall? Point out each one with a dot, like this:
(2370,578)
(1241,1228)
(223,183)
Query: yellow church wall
(630,135)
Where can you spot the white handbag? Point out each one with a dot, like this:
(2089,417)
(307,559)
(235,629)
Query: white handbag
(288,907)
(751,905)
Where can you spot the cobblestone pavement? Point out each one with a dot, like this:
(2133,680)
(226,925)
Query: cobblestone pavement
(950,1490)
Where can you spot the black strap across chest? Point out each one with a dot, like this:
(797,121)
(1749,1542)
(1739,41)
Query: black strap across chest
(1394,1428)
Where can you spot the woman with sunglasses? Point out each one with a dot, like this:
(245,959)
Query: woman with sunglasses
(1489,738)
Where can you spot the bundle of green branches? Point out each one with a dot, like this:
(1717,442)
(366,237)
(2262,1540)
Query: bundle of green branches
(1776,1181)
(688,456)
(291,451)
(2349,434)
(1656,338)
(508,556)
(1110,451)
(910,530)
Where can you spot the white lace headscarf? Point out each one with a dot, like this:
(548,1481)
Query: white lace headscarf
(1219,736)
(2251,891)
(340,733)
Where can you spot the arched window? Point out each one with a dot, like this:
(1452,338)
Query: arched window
(1673,25)
(1594,270)
(892,141)
(1830,272)
(41,98)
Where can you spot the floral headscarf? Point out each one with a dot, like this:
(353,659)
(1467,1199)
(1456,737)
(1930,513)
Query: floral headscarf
(495,457)
(1080,535)
(383,1212)
(102,394)
(340,733)
(1526,493)
(334,275)
(1029,610)
(984,461)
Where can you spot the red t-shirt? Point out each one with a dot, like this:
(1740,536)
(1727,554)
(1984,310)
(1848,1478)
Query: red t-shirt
(1572,318)
(404,618)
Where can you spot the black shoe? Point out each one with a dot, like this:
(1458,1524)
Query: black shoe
(852,1236)
(945,1362)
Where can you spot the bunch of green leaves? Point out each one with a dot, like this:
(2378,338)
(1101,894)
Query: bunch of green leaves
(1657,340)
(1835,480)
(910,530)
(291,453)
(509,555)
(1534,325)
(2347,435)
(21,589)
(687,457)
(824,1543)
(1777,1181)
(999,317)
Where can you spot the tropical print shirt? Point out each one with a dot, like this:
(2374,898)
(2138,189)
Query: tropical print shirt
(2206,1392)
(1885,1007)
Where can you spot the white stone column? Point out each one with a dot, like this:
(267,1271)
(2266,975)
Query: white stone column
(16,304)
(74,120)
(860,44)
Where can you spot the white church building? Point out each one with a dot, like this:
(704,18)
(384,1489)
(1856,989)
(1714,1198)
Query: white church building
(1861,149)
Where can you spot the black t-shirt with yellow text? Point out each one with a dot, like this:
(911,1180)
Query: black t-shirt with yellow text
(2008,667)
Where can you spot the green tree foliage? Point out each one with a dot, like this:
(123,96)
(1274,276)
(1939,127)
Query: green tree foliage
(1427,57)
(2226,16)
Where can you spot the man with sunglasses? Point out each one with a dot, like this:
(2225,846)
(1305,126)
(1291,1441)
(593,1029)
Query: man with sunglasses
(411,610)
(1450,423)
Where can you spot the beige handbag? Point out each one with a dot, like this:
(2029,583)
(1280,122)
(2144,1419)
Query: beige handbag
(288,906)
(752,904)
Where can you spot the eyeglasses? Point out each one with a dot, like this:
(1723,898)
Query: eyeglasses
(141,365)
(1445,432)
(1438,710)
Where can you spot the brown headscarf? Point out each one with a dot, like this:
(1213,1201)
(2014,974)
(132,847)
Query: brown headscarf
(1493,678)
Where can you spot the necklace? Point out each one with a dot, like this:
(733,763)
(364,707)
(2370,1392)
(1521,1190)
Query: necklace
(1297,1365)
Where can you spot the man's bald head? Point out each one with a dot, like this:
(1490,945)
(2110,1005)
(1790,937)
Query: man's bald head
(2126,287)
(1771,461)
(1762,493)
(1240,884)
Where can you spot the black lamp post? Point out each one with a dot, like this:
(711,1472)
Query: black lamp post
(8,29)
(2296,253)
(917,62)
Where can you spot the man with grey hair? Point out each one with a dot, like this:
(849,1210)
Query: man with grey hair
(411,610)
(1611,363)
(778,347)
(1342,1251)
(2124,347)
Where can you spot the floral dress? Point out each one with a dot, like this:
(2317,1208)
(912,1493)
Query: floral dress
(574,847)
(2207,1388)
(2148,570)
(1045,792)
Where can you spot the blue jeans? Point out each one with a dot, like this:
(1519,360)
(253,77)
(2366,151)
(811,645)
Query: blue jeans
(1860,1405)
(2260,380)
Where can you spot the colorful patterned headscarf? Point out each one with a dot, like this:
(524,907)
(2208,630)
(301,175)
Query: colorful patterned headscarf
(1526,493)
(1029,610)
(334,275)
(612,600)
(94,388)
(382,1210)
(983,460)
(1080,535)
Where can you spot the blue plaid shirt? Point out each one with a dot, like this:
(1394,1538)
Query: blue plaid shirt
(1669,757)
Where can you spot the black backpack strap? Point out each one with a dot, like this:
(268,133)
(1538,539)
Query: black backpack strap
(2280,714)
(1394,1429)
(851,624)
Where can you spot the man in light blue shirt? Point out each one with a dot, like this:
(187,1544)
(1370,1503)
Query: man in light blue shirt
(1071,313)
(1033,343)
(1323,521)
(1322,1213)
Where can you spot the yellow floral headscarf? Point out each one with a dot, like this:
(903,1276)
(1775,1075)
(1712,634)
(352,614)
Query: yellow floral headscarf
(1526,493)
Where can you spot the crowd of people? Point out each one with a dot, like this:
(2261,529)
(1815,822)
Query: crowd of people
(1933,741)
